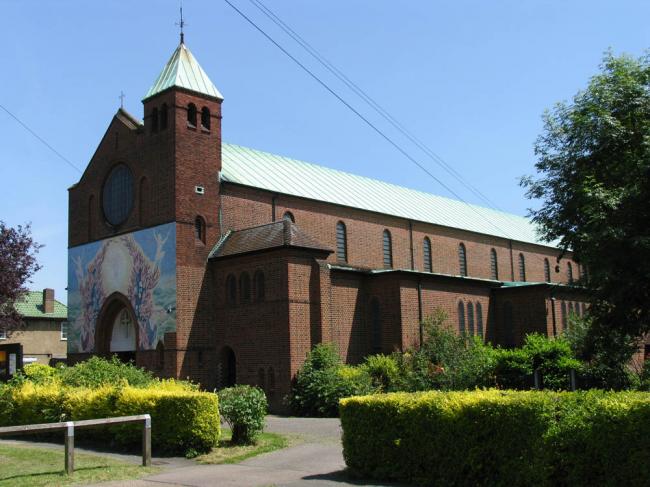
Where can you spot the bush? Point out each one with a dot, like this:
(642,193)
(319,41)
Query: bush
(383,371)
(39,373)
(97,371)
(493,437)
(183,419)
(323,380)
(243,408)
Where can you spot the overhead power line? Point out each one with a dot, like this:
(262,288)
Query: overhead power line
(371,102)
(381,133)
(41,139)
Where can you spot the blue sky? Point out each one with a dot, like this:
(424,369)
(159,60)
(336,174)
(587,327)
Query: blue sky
(469,78)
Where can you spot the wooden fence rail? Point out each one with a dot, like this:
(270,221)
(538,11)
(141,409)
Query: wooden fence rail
(69,426)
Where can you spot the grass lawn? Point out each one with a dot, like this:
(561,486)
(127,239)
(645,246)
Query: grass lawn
(22,466)
(228,453)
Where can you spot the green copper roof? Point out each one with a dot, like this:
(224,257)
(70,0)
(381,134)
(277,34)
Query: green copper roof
(183,70)
(288,176)
(31,306)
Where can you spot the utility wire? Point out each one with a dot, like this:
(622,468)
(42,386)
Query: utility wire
(371,102)
(65,159)
(358,114)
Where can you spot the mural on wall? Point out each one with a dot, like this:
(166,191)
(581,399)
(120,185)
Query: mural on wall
(139,265)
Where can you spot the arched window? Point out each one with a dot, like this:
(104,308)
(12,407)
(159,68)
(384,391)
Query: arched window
(199,229)
(563,312)
(462,259)
(154,120)
(144,200)
(261,382)
(388,250)
(494,265)
(260,291)
(341,243)
(231,289)
(245,288)
(288,216)
(191,115)
(479,319)
(164,114)
(522,268)
(569,271)
(470,318)
(375,323)
(547,271)
(428,267)
(461,317)
(205,118)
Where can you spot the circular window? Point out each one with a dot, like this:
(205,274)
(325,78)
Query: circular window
(117,197)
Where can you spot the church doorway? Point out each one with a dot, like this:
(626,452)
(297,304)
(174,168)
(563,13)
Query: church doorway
(117,330)
(228,367)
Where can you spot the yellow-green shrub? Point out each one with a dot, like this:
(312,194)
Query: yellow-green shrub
(499,437)
(37,403)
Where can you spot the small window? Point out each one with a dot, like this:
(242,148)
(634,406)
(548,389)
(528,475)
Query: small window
(470,318)
(428,267)
(341,242)
(462,259)
(199,229)
(231,289)
(522,268)
(569,271)
(64,330)
(260,290)
(461,317)
(3,333)
(163,116)
(375,323)
(191,115)
(494,265)
(479,319)
(288,216)
(154,120)
(547,270)
(388,250)
(205,118)
(245,288)
(563,312)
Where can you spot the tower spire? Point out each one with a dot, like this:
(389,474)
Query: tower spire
(181,24)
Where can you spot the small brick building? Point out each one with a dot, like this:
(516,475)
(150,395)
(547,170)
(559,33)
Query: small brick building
(224,264)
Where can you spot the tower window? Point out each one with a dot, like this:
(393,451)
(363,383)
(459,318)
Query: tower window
(462,259)
(199,229)
(547,270)
(569,271)
(245,288)
(260,290)
(388,250)
(341,242)
(494,265)
(461,317)
(191,115)
(428,267)
(522,268)
(231,289)
(154,120)
(205,118)
(163,116)
(288,216)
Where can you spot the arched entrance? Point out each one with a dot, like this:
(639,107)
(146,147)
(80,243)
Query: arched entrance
(117,329)
(228,368)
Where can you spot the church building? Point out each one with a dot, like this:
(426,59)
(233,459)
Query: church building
(224,264)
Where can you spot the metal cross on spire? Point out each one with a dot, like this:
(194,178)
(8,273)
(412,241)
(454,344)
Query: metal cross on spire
(181,24)
(121,97)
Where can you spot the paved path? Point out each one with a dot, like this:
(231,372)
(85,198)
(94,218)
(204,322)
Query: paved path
(315,462)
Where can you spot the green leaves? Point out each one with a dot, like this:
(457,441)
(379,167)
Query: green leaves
(243,407)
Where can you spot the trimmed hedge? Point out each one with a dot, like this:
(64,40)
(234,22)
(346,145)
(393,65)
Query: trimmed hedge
(499,437)
(183,419)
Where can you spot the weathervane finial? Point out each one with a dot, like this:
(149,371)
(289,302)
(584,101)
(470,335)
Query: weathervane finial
(181,24)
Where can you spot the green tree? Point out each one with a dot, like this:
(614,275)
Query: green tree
(593,164)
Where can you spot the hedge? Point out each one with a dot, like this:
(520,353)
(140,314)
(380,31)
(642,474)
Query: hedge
(499,437)
(184,420)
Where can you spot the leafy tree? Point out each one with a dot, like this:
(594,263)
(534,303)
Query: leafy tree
(17,264)
(594,185)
